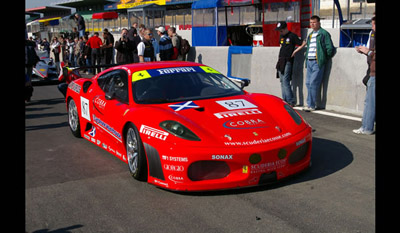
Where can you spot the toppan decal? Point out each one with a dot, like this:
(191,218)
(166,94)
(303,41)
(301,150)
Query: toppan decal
(235,113)
(152,132)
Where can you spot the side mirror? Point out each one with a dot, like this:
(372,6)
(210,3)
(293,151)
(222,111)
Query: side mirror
(244,82)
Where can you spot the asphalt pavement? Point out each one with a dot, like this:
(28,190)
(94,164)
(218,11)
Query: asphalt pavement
(73,186)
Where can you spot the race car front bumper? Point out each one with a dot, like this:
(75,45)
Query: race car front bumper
(205,168)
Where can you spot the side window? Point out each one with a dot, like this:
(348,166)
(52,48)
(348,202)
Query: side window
(115,82)
(104,80)
(120,86)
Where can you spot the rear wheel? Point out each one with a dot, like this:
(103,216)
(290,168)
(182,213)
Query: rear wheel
(135,153)
(73,118)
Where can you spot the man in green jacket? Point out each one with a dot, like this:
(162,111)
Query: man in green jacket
(319,50)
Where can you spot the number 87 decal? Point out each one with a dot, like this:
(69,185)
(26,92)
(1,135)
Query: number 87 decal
(236,104)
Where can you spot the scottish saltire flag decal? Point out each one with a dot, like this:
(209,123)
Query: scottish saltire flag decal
(183,106)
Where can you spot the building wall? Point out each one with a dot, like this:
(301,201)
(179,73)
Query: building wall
(342,88)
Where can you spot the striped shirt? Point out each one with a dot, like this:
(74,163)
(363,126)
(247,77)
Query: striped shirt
(312,51)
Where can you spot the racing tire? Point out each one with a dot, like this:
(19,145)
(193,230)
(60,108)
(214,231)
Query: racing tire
(73,119)
(135,154)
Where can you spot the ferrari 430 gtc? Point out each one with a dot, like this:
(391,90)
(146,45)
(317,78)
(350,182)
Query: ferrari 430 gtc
(185,126)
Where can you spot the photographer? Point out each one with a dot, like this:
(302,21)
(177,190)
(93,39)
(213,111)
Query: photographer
(124,48)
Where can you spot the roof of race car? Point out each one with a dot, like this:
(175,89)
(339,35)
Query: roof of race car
(141,71)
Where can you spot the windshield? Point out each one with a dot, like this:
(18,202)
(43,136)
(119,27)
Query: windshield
(183,86)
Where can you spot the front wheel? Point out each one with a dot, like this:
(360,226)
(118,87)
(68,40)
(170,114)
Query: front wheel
(73,119)
(135,153)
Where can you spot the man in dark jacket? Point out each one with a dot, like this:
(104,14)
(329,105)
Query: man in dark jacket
(124,48)
(80,23)
(165,45)
(288,40)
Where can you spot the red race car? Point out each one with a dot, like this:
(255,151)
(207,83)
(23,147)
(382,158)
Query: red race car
(185,126)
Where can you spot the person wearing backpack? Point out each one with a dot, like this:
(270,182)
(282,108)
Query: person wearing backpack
(319,49)
(176,43)
(182,45)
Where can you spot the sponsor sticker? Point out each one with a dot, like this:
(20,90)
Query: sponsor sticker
(236,104)
(144,74)
(139,75)
(245,124)
(220,157)
(152,132)
(209,70)
(175,159)
(74,87)
(175,179)
(107,128)
(227,114)
(176,70)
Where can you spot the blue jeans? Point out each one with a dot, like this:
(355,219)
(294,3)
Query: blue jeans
(287,93)
(81,33)
(369,107)
(313,81)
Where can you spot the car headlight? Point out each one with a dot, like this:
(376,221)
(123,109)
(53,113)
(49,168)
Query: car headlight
(295,116)
(179,130)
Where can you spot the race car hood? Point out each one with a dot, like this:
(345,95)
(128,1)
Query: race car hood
(243,120)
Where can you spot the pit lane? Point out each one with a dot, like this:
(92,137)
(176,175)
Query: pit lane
(73,186)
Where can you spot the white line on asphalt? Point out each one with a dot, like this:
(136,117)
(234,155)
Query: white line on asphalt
(333,114)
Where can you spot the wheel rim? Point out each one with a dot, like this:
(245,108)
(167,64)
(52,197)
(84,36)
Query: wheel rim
(73,115)
(132,150)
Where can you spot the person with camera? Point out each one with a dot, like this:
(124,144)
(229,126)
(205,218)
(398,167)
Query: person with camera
(124,48)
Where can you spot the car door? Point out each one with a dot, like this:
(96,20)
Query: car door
(110,105)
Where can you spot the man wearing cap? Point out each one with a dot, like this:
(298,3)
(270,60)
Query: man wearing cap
(287,40)
(165,45)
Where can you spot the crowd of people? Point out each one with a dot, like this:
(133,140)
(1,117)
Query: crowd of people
(136,44)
